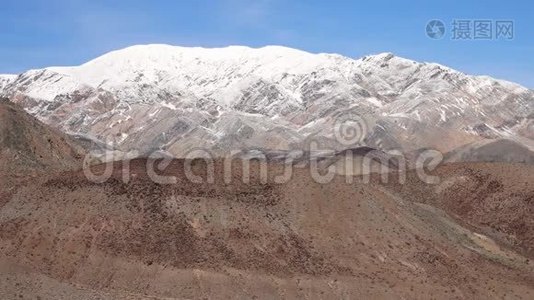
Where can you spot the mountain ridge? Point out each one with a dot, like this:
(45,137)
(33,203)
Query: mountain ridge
(215,95)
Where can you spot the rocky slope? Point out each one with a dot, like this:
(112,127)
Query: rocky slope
(64,236)
(495,199)
(29,148)
(26,144)
(175,98)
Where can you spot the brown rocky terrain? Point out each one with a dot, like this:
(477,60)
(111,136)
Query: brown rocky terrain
(29,148)
(496,199)
(467,237)
(27,144)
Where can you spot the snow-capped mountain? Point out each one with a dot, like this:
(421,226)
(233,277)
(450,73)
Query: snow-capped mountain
(175,98)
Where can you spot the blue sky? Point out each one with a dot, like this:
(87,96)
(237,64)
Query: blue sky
(36,34)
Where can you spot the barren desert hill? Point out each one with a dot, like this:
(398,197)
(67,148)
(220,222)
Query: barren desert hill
(27,144)
(29,147)
(495,198)
(492,150)
(299,239)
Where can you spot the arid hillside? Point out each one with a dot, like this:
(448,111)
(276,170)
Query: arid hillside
(29,148)
(496,199)
(65,236)
(29,145)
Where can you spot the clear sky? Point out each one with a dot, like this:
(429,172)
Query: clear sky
(36,34)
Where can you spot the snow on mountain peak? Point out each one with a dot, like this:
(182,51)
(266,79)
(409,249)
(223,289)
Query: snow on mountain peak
(6,79)
(203,71)
(117,66)
(144,71)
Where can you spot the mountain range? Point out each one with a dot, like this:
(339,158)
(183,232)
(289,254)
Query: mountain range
(162,97)
(65,235)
